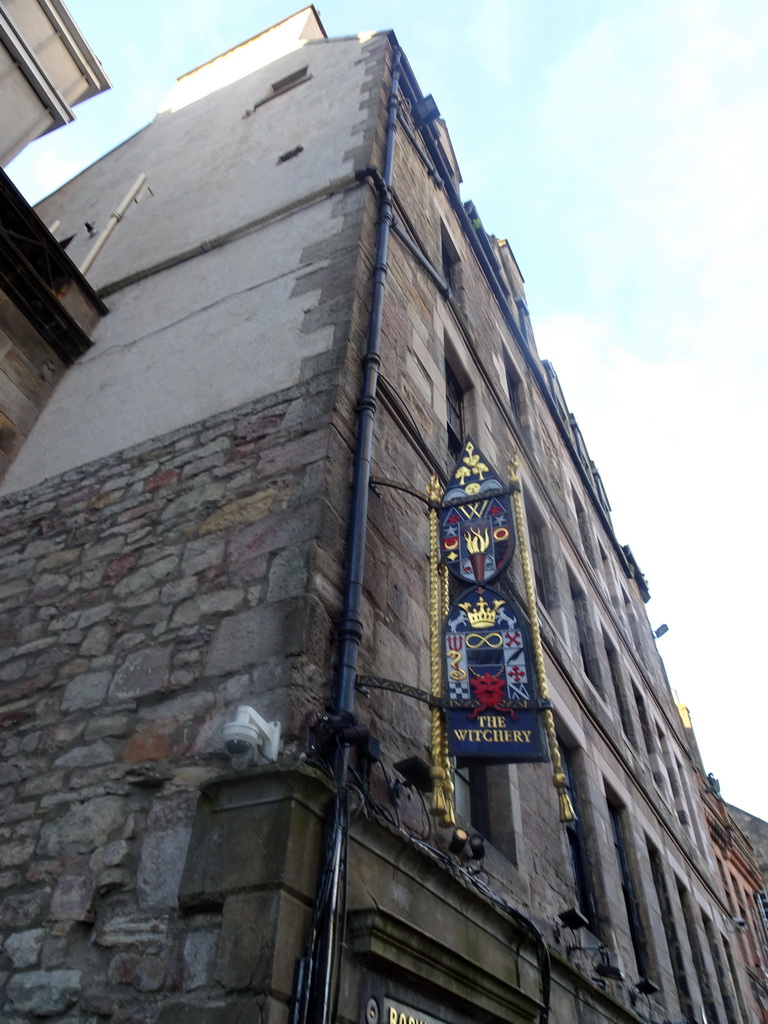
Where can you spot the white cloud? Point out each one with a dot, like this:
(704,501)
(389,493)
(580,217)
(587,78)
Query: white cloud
(676,443)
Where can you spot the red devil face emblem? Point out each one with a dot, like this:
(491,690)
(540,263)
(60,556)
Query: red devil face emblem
(489,690)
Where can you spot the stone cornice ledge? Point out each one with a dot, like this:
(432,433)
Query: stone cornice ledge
(396,947)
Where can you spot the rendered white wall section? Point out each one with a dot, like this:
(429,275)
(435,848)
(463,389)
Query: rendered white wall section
(220,329)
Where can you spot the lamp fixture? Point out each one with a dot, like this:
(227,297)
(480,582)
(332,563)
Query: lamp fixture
(602,961)
(465,846)
(605,969)
(416,773)
(459,840)
(477,846)
(426,110)
(646,987)
(661,630)
(573,919)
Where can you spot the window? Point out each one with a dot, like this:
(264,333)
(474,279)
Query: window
(450,263)
(734,978)
(660,765)
(761,900)
(537,543)
(617,682)
(702,974)
(580,619)
(610,579)
(447,266)
(634,626)
(454,402)
(523,317)
(585,534)
(471,797)
(576,846)
(722,978)
(282,84)
(514,386)
(670,931)
(630,900)
(645,724)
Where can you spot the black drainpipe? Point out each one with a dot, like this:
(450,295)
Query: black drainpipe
(351,625)
(318,977)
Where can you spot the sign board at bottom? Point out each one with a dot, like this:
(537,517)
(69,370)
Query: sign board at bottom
(395,1012)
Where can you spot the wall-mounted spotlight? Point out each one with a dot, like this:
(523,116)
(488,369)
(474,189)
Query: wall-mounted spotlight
(570,918)
(646,987)
(605,969)
(477,847)
(465,846)
(573,919)
(661,630)
(458,842)
(416,773)
(426,110)
(602,961)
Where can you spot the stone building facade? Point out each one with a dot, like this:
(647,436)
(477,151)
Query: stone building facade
(742,881)
(176,542)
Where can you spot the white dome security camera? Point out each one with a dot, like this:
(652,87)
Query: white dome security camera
(249,736)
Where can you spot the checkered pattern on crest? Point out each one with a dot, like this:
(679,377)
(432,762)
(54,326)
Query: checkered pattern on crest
(459,690)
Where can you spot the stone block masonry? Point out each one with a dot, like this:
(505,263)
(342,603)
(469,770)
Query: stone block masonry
(141,599)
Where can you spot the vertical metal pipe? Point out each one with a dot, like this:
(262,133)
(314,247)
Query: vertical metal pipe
(351,624)
(112,223)
(313,996)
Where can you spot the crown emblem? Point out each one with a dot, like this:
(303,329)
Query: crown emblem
(483,615)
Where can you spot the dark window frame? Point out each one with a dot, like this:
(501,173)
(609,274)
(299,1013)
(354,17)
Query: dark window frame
(631,905)
(577,847)
(454,411)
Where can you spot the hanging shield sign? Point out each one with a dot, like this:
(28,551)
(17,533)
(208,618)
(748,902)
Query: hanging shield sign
(489,661)
(476,535)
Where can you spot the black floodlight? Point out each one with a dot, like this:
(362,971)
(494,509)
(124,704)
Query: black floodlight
(416,773)
(426,110)
(459,840)
(573,919)
(605,969)
(477,847)
(646,987)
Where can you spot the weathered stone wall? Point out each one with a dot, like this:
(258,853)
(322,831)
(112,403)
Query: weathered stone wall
(586,568)
(144,595)
(141,599)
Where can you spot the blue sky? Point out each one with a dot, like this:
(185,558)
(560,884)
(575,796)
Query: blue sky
(622,148)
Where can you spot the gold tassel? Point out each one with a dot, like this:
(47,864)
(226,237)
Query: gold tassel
(439,809)
(559,780)
(449,817)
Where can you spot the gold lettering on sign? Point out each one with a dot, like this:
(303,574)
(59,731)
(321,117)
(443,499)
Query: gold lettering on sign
(400,1014)
(492,735)
(475,509)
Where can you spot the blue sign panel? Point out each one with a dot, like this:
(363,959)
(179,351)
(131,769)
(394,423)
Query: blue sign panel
(476,530)
(489,664)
